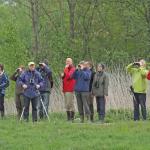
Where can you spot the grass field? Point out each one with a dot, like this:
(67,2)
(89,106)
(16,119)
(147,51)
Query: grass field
(61,135)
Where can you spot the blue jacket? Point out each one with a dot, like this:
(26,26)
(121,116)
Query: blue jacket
(82,78)
(4,83)
(46,74)
(31,79)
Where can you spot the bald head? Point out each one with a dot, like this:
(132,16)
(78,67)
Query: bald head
(69,61)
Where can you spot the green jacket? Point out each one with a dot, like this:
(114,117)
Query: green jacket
(139,81)
(100,84)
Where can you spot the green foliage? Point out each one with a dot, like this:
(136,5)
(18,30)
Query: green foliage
(113,32)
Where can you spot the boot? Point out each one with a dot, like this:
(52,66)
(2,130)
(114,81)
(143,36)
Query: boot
(68,116)
(82,119)
(72,115)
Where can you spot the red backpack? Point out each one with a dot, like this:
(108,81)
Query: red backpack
(148,75)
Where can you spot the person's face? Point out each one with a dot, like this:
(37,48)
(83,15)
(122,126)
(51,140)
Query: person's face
(142,63)
(32,67)
(68,62)
(86,65)
(20,70)
(99,68)
(41,66)
(89,66)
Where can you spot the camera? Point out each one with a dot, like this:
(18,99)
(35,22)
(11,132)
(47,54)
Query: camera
(136,64)
(96,84)
(18,69)
(79,66)
(32,81)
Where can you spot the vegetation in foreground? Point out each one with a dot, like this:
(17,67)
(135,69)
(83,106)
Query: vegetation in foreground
(61,135)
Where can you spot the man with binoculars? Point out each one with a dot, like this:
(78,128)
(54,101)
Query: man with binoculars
(45,91)
(139,73)
(18,90)
(31,81)
(82,76)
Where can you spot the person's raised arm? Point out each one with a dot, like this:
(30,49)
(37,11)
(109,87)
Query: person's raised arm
(86,74)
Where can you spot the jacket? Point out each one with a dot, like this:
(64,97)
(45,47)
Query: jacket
(18,88)
(46,74)
(100,84)
(92,78)
(31,79)
(4,83)
(68,81)
(82,78)
(139,81)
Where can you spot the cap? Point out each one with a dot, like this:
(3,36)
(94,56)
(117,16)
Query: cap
(81,62)
(31,63)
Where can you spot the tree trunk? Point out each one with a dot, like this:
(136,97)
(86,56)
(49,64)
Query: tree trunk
(72,5)
(35,25)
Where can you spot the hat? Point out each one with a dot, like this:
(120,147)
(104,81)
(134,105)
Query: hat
(31,63)
(81,62)
(46,61)
(2,67)
(22,67)
(101,65)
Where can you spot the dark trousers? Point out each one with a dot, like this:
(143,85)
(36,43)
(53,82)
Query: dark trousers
(2,105)
(45,98)
(82,102)
(139,99)
(101,107)
(34,102)
(19,100)
(90,103)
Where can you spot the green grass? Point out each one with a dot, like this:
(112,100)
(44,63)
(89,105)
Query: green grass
(60,135)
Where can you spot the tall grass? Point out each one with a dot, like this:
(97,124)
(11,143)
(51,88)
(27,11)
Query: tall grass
(120,97)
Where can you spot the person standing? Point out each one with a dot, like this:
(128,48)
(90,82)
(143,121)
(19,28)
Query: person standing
(91,97)
(139,73)
(100,90)
(68,88)
(4,83)
(82,75)
(31,81)
(45,91)
(18,90)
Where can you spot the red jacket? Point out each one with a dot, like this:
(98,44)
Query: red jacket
(68,81)
(148,75)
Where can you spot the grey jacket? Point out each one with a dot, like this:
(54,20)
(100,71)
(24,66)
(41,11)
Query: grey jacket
(18,89)
(100,84)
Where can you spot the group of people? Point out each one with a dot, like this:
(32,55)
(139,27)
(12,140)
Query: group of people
(83,81)
(31,85)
